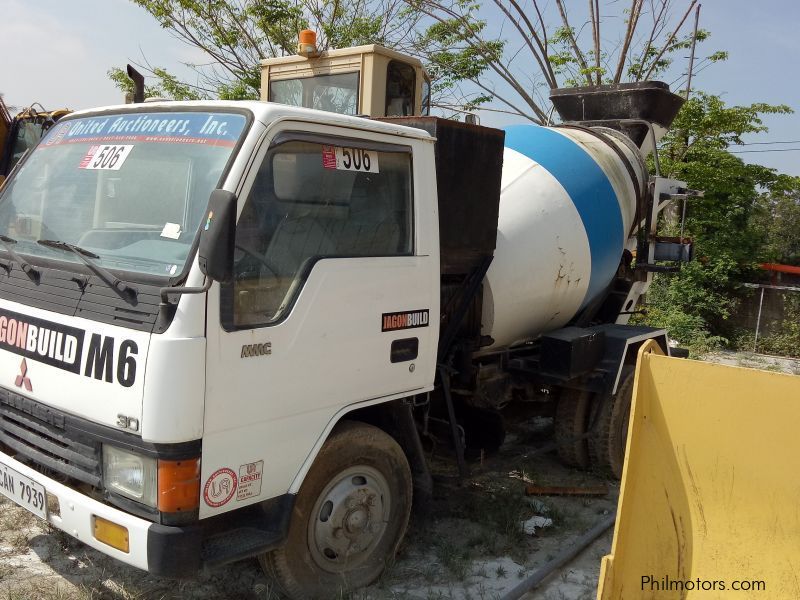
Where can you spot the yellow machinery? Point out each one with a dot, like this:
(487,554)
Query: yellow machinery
(22,132)
(5,128)
(710,499)
(364,80)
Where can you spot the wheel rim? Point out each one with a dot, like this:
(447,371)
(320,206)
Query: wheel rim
(349,519)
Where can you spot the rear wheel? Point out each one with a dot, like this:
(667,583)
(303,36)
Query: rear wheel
(607,444)
(349,517)
(571,420)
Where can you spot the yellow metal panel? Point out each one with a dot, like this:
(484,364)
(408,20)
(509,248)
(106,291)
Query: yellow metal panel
(373,85)
(711,487)
(264,82)
(346,52)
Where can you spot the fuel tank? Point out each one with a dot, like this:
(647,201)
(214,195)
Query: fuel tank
(568,205)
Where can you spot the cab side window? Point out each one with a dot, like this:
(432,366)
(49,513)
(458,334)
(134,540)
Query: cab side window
(400,89)
(311,201)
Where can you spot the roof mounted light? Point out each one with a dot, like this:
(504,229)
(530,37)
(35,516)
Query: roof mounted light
(307,44)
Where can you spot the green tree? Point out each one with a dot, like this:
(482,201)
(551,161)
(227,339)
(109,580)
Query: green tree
(779,221)
(697,303)
(236,34)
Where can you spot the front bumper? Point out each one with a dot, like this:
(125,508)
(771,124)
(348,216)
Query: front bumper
(77,512)
(160,549)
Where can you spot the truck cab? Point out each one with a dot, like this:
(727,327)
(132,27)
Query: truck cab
(366,80)
(169,420)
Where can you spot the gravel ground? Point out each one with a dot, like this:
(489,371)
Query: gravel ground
(469,546)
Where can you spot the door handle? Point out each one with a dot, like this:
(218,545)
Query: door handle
(404,349)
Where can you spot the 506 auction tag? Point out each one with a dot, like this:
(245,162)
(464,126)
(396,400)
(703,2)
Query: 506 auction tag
(108,157)
(356,159)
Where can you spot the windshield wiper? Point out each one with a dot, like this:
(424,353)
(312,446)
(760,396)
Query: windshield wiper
(88,257)
(27,268)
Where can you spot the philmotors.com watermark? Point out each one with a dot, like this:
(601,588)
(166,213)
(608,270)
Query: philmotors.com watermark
(668,584)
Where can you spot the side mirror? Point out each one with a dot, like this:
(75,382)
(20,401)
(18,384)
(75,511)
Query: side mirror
(217,236)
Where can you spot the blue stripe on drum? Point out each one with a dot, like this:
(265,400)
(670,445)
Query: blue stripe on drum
(588,187)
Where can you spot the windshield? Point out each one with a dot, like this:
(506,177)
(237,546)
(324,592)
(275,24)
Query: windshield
(333,93)
(131,188)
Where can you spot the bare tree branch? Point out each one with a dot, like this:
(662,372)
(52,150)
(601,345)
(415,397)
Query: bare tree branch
(654,32)
(541,59)
(541,42)
(573,42)
(594,16)
(633,20)
(479,45)
(669,41)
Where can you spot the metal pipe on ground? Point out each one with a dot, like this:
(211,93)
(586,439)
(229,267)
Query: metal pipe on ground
(562,558)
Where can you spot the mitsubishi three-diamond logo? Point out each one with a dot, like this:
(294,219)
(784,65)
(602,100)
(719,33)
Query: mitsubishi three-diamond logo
(22,378)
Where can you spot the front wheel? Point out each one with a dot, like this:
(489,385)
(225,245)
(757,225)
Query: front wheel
(349,517)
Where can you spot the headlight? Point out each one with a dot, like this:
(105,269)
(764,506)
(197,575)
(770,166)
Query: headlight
(130,475)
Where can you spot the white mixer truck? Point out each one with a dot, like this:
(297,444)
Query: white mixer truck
(223,325)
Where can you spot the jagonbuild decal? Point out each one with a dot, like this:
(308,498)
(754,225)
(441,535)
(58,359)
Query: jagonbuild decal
(250,476)
(404,320)
(51,343)
(62,346)
(220,487)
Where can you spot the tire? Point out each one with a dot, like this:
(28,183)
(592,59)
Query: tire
(607,444)
(349,517)
(571,420)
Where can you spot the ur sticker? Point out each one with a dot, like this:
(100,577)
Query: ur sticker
(220,487)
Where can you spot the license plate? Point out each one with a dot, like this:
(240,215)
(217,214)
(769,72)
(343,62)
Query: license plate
(23,491)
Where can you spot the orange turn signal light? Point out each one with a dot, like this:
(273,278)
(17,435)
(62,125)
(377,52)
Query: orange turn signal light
(178,485)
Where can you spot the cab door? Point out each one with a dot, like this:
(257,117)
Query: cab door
(334,302)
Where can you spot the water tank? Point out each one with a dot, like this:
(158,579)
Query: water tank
(567,208)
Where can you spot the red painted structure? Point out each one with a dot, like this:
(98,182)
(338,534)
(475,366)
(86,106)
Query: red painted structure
(782,274)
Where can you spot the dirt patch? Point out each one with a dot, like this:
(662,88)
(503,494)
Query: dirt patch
(751,360)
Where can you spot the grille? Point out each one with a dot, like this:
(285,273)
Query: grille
(57,292)
(39,436)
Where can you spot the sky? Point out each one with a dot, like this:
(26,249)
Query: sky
(58,54)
